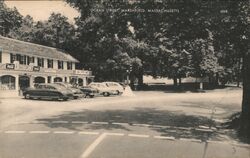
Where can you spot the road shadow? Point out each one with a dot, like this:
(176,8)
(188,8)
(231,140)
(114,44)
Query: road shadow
(168,123)
(232,128)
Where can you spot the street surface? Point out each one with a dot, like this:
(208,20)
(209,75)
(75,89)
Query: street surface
(151,124)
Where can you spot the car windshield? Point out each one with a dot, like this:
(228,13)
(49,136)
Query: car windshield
(59,87)
(111,84)
(86,87)
(65,84)
(101,85)
(98,85)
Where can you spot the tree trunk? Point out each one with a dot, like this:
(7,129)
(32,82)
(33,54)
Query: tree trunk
(217,79)
(238,72)
(245,115)
(175,81)
(238,82)
(140,78)
(180,81)
(132,79)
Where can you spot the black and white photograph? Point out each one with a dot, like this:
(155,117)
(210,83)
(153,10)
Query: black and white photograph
(124,79)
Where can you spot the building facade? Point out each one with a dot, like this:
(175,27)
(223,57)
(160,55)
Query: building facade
(24,64)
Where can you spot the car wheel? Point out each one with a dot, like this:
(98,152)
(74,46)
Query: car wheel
(65,99)
(117,92)
(27,96)
(106,94)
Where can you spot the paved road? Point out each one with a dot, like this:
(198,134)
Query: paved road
(223,103)
(40,141)
(152,124)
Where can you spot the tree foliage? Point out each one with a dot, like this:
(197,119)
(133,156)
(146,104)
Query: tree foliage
(9,19)
(55,32)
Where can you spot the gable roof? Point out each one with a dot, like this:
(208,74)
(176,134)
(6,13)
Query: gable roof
(31,49)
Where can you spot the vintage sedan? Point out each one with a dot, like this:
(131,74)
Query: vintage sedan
(77,93)
(115,86)
(89,92)
(48,91)
(103,89)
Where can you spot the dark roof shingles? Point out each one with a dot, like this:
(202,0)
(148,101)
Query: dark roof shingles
(31,49)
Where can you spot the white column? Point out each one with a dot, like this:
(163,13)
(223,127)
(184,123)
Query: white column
(65,79)
(52,79)
(84,81)
(32,81)
(17,88)
(77,80)
(46,79)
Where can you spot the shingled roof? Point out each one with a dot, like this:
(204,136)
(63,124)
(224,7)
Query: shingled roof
(31,49)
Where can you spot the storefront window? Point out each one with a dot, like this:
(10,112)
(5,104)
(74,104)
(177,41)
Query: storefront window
(40,62)
(7,83)
(50,63)
(73,80)
(60,64)
(69,65)
(39,79)
(58,79)
(80,82)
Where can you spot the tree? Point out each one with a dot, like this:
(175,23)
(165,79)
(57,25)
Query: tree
(204,61)
(102,39)
(243,32)
(9,19)
(232,43)
(96,27)
(25,31)
(55,32)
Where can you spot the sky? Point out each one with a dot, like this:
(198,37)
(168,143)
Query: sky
(41,10)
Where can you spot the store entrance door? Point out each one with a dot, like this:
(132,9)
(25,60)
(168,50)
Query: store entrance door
(24,82)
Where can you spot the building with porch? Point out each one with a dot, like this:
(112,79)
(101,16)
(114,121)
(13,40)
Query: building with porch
(24,64)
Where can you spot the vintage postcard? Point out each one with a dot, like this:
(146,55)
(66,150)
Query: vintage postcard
(124,79)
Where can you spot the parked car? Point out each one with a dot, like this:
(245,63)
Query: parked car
(48,91)
(77,93)
(89,91)
(103,89)
(115,87)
